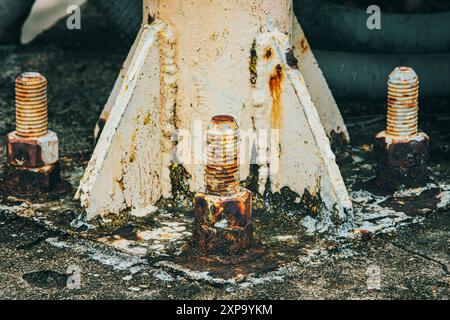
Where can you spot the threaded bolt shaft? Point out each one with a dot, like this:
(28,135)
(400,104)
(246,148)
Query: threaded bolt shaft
(222,168)
(31,105)
(403,103)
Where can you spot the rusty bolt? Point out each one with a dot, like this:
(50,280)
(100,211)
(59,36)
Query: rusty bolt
(33,159)
(402,150)
(223,214)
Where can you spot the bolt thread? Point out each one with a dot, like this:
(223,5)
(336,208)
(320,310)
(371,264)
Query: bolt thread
(222,167)
(31,105)
(403,103)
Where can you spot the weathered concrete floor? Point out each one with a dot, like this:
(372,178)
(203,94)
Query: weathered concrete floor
(81,67)
(414,265)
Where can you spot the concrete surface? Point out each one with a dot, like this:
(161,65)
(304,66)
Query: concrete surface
(81,67)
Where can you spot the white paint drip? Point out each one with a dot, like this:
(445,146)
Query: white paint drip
(143,212)
(444,197)
(194,275)
(116,260)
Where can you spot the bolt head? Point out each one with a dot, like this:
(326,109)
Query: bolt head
(401,162)
(30,181)
(223,225)
(236,209)
(32,152)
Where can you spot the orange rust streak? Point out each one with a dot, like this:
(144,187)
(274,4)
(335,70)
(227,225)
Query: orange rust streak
(219,212)
(267,54)
(241,206)
(275,91)
(304,45)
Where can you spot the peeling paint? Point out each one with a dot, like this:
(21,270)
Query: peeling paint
(192,69)
(138,179)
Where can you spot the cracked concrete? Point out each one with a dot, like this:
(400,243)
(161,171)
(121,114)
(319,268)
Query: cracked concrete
(81,67)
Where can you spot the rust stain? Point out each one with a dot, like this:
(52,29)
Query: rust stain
(27,181)
(292,61)
(133,155)
(147,119)
(134,135)
(304,45)
(24,153)
(219,211)
(133,146)
(401,163)
(242,208)
(121,183)
(232,239)
(253,64)
(275,91)
(150,19)
(268,54)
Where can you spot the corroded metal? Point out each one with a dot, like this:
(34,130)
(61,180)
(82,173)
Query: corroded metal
(32,150)
(30,181)
(401,163)
(223,215)
(403,103)
(31,105)
(222,167)
(247,66)
(223,225)
(402,150)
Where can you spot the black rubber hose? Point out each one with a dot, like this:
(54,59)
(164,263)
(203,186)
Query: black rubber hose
(332,27)
(352,75)
(348,74)
(335,27)
(126,15)
(13,14)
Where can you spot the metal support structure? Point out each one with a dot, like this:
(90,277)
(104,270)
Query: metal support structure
(193,60)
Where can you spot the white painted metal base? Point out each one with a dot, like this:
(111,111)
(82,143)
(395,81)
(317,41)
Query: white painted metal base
(199,59)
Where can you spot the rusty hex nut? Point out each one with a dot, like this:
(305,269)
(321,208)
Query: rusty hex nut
(223,224)
(401,163)
(32,152)
(32,163)
(32,180)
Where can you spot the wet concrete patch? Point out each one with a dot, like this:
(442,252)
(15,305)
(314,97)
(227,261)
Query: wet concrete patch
(15,230)
(417,203)
(30,244)
(46,279)
(127,232)
(217,270)
(275,245)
